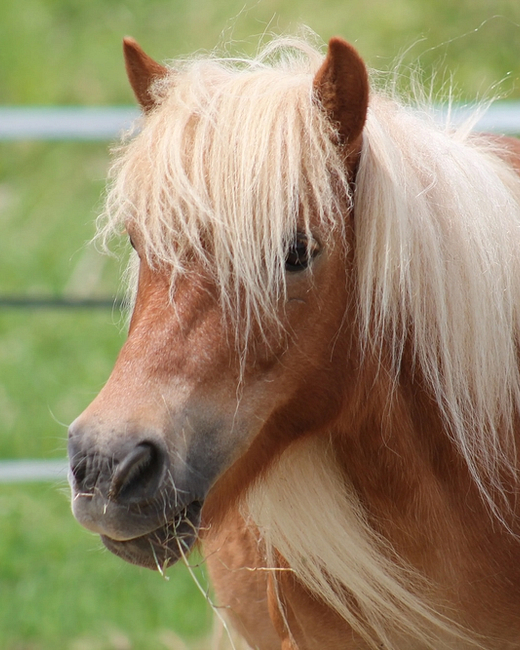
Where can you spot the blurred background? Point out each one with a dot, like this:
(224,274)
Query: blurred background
(58,588)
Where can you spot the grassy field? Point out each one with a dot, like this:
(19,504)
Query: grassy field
(68,51)
(58,590)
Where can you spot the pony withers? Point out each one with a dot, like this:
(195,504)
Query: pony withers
(320,381)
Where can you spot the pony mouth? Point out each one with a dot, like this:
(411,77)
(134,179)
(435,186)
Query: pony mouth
(163,546)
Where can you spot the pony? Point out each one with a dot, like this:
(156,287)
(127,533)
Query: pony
(320,383)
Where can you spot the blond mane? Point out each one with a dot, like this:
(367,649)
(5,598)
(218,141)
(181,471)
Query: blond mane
(437,249)
(309,513)
(237,156)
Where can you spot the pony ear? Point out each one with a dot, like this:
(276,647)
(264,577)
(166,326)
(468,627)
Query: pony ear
(142,71)
(341,86)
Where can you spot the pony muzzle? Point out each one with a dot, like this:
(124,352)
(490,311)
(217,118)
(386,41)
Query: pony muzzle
(128,495)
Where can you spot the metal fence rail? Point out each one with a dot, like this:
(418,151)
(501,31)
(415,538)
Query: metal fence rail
(57,302)
(106,123)
(64,123)
(502,117)
(28,471)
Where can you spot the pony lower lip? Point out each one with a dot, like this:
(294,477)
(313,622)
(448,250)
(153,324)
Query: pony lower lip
(163,546)
(179,518)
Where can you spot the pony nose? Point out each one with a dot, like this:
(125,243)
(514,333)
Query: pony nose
(130,473)
(137,475)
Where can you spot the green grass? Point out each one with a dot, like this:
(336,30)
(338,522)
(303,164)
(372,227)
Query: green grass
(49,196)
(51,362)
(58,590)
(54,363)
(69,51)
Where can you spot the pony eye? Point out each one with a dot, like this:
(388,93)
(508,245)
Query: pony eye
(300,253)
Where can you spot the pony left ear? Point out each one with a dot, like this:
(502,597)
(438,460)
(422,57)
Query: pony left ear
(142,71)
(341,86)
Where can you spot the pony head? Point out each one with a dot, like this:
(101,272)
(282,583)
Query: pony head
(237,197)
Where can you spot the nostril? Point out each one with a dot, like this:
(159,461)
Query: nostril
(79,471)
(88,472)
(137,475)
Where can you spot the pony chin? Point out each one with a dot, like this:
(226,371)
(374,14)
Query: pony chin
(162,547)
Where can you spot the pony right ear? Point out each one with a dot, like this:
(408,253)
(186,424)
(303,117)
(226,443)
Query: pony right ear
(142,71)
(341,86)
